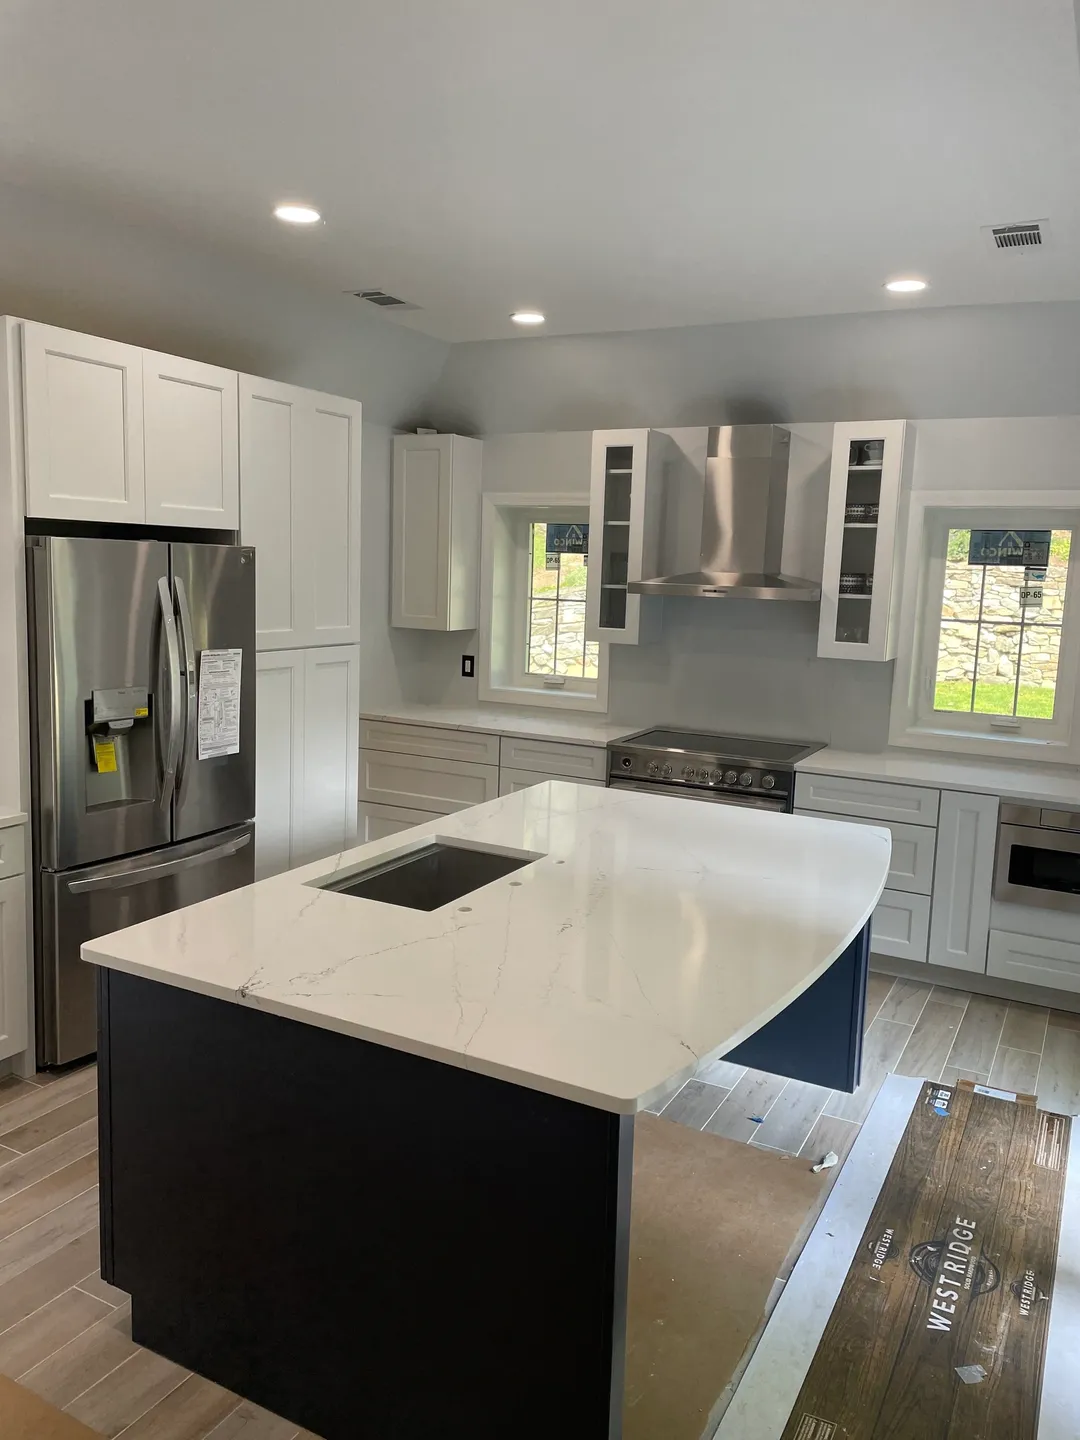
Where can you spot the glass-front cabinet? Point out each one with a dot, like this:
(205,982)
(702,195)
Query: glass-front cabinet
(627,469)
(860,587)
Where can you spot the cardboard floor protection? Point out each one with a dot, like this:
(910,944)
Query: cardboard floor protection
(712,1223)
(24,1417)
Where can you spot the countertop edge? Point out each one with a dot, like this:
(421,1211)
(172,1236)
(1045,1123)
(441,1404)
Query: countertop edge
(12,817)
(565,732)
(979,775)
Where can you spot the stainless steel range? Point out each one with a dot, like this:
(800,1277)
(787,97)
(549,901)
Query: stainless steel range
(727,769)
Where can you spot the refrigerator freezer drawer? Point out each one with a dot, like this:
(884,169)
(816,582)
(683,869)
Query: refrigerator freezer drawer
(78,905)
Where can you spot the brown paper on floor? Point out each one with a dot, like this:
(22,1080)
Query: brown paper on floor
(712,1223)
(24,1417)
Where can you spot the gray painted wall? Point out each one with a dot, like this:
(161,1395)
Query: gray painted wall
(979,360)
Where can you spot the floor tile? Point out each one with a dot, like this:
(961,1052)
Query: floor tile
(948,996)
(54,1122)
(905,1002)
(1025,1027)
(882,1047)
(722,1073)
(121,1396)
(47,1078)
(83,1362)
(40,1334)
(189,1412)
(39,1283)
(829,1133)
(1059,1074)
(792,1117)
(693,1104)
(1015,1070)
(1064,1020)
(931,1041)
(250,1422)
(950,1075)
(980,1030)
(877,987)
(94,1285)
(24,1170)
(27,1204)
(50,1233)
(38,1101)
(755,1094)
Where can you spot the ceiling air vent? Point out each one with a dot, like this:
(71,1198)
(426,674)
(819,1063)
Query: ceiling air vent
(383,300)
(1032,235)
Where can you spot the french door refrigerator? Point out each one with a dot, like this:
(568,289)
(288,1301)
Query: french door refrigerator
(142,681)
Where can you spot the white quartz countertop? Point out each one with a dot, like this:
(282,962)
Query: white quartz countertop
(651,935)
(526,725)
(1048,784)
(11,817)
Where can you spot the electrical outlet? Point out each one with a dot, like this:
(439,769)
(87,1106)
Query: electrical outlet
(468,666)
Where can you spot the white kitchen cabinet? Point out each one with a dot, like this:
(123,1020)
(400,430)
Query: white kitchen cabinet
(963,880)
(14,966)
(435,560)
(307,732)
(559,759)
(624,533)
(872,799)
(192,458)
(12,851)
(911,865)
(377,822)
(900,925)
(860,587)
(1034,960)
(439,742)
(425,783)
(83,416)
(511,780)
(300,508)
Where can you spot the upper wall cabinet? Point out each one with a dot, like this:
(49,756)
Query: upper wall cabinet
(83,411)
(436,532)
(860,589)
(300,508)
(126,436)
(624,514)
(191,445)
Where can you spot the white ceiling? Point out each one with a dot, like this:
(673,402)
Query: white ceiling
(621,164)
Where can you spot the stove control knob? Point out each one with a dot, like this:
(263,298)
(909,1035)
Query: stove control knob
(654,767)
(688,772)
(768,781)
(627,763)
(715,777)
(731,777)
(703,774)
(666,771)
(746,778)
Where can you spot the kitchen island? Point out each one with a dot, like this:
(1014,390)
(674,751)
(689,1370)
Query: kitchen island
(369,1165)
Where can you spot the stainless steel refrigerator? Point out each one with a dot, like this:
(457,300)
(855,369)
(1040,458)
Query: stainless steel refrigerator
(142,679)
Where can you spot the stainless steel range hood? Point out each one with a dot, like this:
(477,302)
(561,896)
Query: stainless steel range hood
(742,522)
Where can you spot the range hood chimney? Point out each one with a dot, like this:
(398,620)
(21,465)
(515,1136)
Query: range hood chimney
(742,522)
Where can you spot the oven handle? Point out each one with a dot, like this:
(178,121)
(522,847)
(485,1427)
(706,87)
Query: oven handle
(714,797)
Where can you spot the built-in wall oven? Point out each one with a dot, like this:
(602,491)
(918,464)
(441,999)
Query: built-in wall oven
(1038,857)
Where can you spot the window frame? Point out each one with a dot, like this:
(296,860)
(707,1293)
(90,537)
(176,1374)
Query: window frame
(504,605)
(914,721)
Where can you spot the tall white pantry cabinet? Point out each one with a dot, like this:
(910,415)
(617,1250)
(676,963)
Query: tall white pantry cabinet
(300,508)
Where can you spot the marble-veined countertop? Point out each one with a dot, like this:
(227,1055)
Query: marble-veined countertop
(652,935)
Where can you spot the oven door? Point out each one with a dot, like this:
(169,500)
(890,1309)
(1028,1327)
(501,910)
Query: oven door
(1038,865)
(688,792)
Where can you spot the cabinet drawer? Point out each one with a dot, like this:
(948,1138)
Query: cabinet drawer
(12,850)
(870,799)
(432,740)
(420,782)
(912,864)
(554,757)
(900,925)
(376,822)
(511,780)
(1034,961)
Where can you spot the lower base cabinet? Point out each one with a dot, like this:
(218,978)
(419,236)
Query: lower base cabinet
(900,925)
(307,748)
(376,822)
(1034,961)
(511,781)
(14,965)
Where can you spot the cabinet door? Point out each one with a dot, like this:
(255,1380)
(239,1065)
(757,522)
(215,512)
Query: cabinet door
(191,443)
(624,501)
(899,926)
(83,409)
(421,532)
(329,525)
(14,966)
(376,822)
(418,780)
(963,878)
(331,751)
(272,447)
(279,759)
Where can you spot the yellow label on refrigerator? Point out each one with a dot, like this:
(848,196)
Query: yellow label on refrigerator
(141,712)
(105,756)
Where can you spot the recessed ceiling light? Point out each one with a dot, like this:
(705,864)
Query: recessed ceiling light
(906,286)
(527,317)
(297,214)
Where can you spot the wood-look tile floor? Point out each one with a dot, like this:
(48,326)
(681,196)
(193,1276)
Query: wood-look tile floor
(67,1335)
(912,1029)
(64,1333)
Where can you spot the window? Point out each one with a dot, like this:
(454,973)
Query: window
(534,649)
(995,635)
